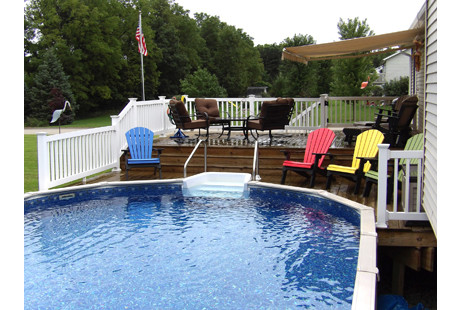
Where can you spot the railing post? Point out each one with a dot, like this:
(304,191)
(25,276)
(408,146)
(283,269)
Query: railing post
(43,161)
(116,147)
(251,104)
(384,155)
(323,102)
(134,120)
(164,115)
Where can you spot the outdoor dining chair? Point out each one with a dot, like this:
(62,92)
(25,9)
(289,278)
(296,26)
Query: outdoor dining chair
(317,145)
(394,123)
(397,129)
(183,120)
(274,114)
(210,107)
(140,145)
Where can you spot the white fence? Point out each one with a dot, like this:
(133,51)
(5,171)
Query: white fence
(68,157)
(76,155)
(410,207)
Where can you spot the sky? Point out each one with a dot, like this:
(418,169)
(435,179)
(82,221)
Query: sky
(269,21)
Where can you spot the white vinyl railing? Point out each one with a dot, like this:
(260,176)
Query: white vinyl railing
(76,155)
(410,207)
(71,156)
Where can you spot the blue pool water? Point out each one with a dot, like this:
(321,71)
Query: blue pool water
(148,247)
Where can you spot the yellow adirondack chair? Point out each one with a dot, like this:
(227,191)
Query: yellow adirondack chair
(365,149)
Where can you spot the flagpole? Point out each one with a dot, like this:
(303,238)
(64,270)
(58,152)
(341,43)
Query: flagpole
(142,67)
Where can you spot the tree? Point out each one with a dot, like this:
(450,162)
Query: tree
(397,87)
(50,89)
(303,78)
(271,57)
(202,84)
(230,55)
(178,40)
(348,74)
(86,37)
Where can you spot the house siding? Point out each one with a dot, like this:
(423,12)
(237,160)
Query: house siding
(429,197)
(397,66)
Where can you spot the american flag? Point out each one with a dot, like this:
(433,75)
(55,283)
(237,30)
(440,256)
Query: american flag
(141,42)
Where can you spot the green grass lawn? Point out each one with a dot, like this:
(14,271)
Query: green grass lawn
(99,121)
(30,163)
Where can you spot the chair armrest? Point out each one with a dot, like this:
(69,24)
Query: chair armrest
(258,116)
(126,151)
(203,114)
(383,115)
(362,162)
(318,156)
(367,158)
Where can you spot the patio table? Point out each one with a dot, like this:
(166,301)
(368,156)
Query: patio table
(228,126)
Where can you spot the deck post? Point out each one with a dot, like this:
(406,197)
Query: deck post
(323,103)
(252,105)
(43,160)
(384,155)
(164,115)
(116,147)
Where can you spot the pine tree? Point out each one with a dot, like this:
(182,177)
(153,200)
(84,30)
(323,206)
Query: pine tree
(49,90)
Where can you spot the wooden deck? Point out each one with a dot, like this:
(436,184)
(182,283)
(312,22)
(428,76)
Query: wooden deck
(413,246)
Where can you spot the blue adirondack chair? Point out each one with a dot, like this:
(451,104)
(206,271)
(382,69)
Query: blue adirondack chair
(140,142)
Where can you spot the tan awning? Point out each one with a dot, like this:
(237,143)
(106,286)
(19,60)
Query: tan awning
(350,48)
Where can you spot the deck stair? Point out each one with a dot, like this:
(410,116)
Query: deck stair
(235,159)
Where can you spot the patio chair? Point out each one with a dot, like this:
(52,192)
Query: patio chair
(183,120)
(274,114)
(372,176)
(384,111)
(317,145)
(382,120)
(140,142)
(365,150)
(397,128)
(210,107)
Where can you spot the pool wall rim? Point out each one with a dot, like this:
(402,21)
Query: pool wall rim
(364,295)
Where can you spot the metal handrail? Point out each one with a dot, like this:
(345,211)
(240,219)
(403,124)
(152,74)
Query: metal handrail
(192,153)
(255,175)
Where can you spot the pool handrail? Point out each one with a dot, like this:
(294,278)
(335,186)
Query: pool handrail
(192,153)
(255,175)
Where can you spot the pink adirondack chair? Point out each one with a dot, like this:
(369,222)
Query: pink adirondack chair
(317,145)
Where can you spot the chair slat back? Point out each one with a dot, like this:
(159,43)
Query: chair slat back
(140,142)
(415,143)
(318,141)
(366,146)
(405,114)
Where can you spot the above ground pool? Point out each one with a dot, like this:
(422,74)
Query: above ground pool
(148,246)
